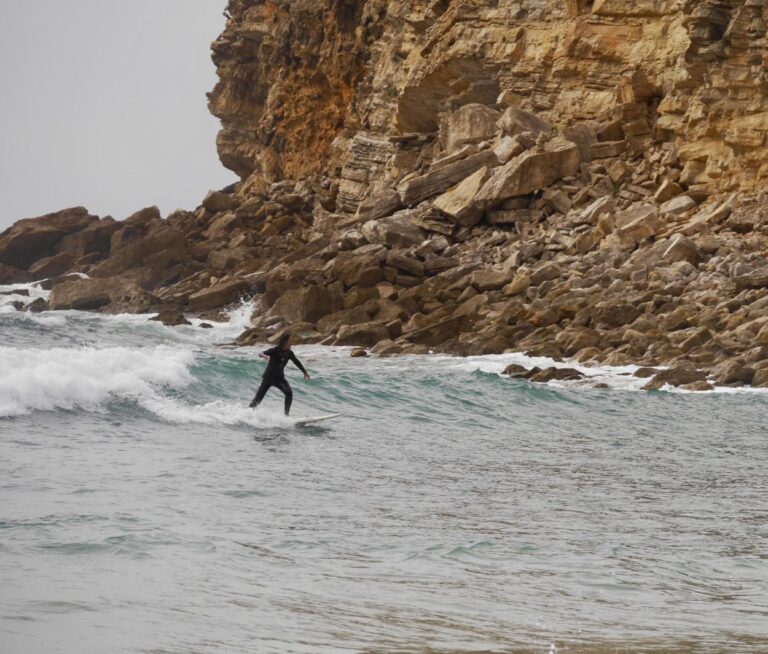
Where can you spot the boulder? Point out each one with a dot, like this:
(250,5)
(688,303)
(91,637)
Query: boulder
(520,283)
(733,372)
(459,202)
(396,230)
(37,305)
(218,295)
(358,352)
(364,334)
(112,294)
(405,263)
(667,190)
(676,376)
(511,146)
(681,248)
(530,172)
(95,239)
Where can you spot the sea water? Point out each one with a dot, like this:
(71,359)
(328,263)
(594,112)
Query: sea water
(145,509)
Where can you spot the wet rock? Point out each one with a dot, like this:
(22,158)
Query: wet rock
(358,352)
(171,318)
(363,334)
(205,325)
(676,376)
(732,373)
(19,291)
(37,305)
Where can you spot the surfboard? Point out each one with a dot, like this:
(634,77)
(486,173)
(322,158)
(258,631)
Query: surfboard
(311,421)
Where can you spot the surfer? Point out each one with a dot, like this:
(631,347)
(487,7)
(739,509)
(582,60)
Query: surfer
(274,374)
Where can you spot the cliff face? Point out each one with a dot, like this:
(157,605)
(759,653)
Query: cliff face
(312,86)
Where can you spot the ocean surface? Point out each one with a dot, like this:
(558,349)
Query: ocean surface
(145,509)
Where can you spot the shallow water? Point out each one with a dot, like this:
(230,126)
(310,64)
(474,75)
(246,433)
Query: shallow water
(144,509)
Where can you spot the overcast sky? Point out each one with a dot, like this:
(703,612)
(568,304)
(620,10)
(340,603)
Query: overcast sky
(102,104)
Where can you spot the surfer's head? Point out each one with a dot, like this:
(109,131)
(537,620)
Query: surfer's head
(285,342)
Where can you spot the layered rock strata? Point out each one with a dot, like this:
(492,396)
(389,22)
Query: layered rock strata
(578,180)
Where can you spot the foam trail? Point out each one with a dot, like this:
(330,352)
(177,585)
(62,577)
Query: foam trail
(218,412)
(86,378)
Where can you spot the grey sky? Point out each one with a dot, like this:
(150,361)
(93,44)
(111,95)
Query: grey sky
(103,105)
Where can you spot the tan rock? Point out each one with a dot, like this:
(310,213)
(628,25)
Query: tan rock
(112,294)
(519,284)
(218,295)
(667,190)
(365,334)
(529,172)
(459,202)
(469,124)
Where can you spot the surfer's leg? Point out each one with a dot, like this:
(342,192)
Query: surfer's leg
(285,387)
(265,384)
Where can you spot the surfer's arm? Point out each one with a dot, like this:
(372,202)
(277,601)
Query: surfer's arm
(266,354)
(296,361)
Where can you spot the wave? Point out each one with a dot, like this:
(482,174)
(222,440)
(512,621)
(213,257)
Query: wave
(86,378)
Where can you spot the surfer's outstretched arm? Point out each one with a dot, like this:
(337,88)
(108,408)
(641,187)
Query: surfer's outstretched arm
(297,363)
(266,354)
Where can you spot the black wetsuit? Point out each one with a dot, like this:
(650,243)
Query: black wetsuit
(274,375)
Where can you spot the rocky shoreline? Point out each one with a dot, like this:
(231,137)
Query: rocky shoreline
(491,227)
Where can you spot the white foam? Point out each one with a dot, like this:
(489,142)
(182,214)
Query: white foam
(69,378)
(214,413)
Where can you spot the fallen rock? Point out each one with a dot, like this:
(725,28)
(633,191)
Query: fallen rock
(530,172)
(459,202)
(358,352)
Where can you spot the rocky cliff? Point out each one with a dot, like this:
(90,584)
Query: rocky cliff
(577,180)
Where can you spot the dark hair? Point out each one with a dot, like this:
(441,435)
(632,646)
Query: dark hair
(283,340)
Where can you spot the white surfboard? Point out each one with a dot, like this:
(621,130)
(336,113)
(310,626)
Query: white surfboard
(311,421)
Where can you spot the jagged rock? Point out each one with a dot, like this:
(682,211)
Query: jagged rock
(53,266)
(511,146)
(406,264)
(733,372)
(520,283)
(530,172)
(307,304)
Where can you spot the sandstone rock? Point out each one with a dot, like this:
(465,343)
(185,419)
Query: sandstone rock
(363,334)
(459,202)
(52,266)
(511,146)
(667,190)
(677,205)
(682,249)
(544,272)
(437,181)
(306,304)
(218,295)
(733,372)
(530,172)
(94,294)
(358,352)
(396,230)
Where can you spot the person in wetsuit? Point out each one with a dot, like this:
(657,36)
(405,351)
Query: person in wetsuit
(274,374)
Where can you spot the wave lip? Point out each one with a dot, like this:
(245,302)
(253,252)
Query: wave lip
(86,378)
